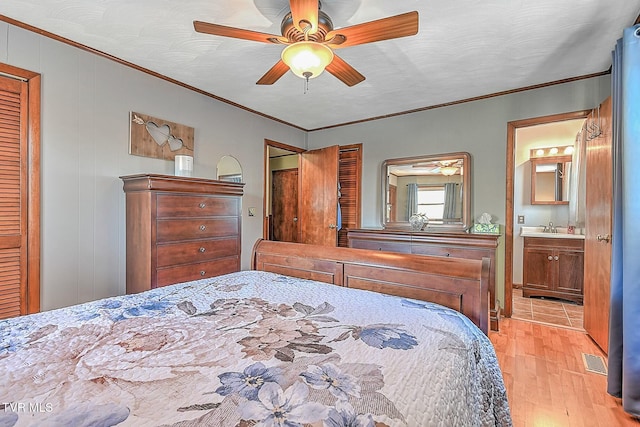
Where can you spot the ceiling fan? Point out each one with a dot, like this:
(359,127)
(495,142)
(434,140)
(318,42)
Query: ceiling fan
(309,37)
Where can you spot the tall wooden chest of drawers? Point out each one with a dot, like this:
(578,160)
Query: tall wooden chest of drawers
(180,229)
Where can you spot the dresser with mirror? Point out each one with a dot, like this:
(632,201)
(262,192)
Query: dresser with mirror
(437,187)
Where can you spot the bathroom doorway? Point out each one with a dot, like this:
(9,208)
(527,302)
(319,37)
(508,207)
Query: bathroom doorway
(523,136)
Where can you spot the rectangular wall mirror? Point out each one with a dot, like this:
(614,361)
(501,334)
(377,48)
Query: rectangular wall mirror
(438,186)
(550,180)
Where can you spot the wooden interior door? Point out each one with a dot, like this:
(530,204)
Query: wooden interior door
(597,250)
(284,190)
(350,177)
(19,192)
(318,196)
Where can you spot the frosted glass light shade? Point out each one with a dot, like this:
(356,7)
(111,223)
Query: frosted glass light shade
(449,170)
(307,59)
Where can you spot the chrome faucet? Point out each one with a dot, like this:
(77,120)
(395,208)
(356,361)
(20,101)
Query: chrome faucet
(552,229)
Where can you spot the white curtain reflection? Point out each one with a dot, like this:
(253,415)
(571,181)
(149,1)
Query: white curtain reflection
(412,199)
(577,180)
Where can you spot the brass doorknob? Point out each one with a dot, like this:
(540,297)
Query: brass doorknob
(332,226)
(604,238)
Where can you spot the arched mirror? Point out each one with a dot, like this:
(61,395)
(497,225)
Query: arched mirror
(438,186)
(229,169)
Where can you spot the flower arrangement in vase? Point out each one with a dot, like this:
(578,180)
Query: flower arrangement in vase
(418,221)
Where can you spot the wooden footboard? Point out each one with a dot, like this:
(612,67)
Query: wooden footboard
(461,284)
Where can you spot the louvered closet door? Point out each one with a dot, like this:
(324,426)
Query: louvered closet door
(13,197)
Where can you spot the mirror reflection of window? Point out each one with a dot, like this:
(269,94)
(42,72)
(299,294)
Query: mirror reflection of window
(431,201)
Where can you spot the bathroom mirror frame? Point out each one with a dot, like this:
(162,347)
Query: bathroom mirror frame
(421,162)
(560,180)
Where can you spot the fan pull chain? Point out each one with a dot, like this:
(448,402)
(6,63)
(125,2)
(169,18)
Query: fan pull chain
(307,74)
(306,81)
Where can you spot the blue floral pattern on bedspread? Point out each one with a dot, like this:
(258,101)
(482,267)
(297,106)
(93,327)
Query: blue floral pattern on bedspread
(249,348)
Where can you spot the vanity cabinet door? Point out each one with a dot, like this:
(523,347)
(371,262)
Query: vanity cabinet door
(553,268)
(538,273)
(570,267)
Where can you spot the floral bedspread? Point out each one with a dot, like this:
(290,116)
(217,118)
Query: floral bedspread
(249,348)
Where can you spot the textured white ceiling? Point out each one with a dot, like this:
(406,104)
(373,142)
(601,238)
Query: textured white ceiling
(464,48)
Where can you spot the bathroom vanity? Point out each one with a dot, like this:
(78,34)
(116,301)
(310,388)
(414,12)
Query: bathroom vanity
(553,265)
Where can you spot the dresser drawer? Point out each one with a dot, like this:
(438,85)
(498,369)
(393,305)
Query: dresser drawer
(171,230)
(200,270)
(172,205)
(196,251)
(380,245)
(445,251)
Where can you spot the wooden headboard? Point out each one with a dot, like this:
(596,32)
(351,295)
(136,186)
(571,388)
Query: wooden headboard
(461,284)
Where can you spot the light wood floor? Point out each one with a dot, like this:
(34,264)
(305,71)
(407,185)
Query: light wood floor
(547,384)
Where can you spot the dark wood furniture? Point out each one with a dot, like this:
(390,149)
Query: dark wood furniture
(461,284)
(553,267)
(443,244)
(180,229)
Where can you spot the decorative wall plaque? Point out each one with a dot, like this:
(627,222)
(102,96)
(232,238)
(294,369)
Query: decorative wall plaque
(158,138)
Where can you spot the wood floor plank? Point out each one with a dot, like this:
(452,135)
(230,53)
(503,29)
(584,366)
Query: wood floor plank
(547,383)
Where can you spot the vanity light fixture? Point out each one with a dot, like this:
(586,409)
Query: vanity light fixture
(551,151)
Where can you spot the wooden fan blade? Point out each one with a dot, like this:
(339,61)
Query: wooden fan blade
(393,27)
(304,13)
(272,76)
(344,72)
(237,33)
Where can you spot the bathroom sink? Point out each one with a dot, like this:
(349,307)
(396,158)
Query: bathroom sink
(538,232)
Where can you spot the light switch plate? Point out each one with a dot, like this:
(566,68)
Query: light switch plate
(252,211)
(520,219)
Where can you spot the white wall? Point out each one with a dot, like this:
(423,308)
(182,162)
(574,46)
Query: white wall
(479,127)
(86,101)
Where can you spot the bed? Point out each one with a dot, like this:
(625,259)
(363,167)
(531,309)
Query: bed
(300,340)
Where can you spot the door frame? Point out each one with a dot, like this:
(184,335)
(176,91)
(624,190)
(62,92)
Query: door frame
(512,127)
(266,195)
(33,81)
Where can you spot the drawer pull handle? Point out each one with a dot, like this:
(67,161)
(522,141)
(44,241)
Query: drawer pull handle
(202,250)
(202,273)
(550,258)
(203,227)
(202,205)
(556,258)
(447,254)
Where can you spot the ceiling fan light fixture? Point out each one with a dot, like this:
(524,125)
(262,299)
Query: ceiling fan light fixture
(307,59)
(448,170)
